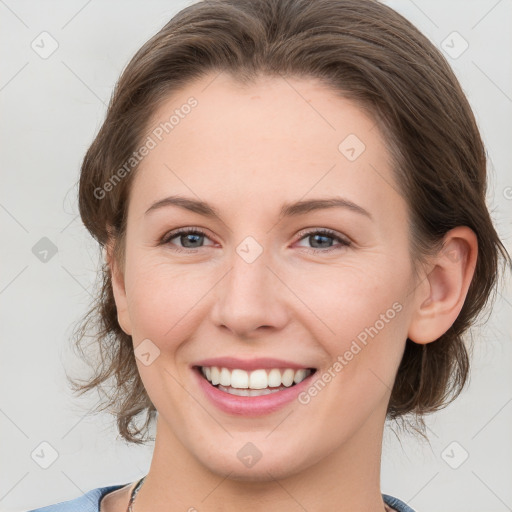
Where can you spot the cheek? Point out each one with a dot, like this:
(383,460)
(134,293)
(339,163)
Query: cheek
(360,321)
(164,300)
(335,304)
(346,301)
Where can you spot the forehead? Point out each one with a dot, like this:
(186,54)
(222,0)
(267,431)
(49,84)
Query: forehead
(276,140)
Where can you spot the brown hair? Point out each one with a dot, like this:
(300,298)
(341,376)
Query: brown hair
(364,51)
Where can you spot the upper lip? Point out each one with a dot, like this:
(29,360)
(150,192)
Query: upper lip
(250,364)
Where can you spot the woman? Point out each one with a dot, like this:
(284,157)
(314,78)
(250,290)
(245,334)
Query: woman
(291,200)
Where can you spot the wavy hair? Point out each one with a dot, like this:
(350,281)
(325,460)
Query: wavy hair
(367,53)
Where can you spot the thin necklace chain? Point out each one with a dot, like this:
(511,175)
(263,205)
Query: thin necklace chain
(141,481)
(134,493)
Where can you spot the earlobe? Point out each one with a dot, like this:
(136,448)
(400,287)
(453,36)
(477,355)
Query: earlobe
(119,290)
(440,296)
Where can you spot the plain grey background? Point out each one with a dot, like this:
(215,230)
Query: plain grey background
(53,100)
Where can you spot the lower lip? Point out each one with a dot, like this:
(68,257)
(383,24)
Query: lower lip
(250,405)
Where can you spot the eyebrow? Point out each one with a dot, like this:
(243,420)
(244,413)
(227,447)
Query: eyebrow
(287,210)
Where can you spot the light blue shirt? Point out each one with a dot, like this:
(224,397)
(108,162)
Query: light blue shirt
(90,502)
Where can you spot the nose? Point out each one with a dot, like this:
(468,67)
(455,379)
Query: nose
(250,299)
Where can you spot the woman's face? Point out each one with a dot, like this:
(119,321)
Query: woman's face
(264,281)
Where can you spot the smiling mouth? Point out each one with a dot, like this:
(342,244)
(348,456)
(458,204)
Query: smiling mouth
(258,382)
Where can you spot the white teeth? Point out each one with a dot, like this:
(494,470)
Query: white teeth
(299,376)
(260,379)
(225,377)
(215,375)
(257,380)
(287,377)
(274,378)
(238,379)
(250,392)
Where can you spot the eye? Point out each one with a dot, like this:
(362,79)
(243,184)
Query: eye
(191,237)
(321,237)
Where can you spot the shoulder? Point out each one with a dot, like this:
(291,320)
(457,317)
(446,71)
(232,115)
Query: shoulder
(397,504)
(88,502)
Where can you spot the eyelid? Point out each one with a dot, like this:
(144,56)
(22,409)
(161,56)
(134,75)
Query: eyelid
(169,235)
(344,242)
(327,231)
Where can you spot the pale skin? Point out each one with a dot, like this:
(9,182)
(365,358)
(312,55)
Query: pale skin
(247,151)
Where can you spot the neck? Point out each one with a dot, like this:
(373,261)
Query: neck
(346,480)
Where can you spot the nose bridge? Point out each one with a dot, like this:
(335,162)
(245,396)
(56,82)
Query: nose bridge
(250,295)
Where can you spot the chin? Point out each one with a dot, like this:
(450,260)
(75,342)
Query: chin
(273,464)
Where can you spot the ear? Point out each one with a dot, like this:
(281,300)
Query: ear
(118,287)
(440,296)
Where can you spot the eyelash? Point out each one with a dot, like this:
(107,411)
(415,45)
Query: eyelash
(302,235)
